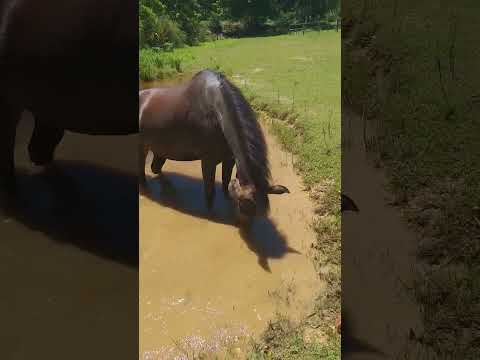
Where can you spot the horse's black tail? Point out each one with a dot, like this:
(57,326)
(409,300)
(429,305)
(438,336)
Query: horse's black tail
(245,137)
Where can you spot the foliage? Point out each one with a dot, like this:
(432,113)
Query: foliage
(215,25)
(173,23)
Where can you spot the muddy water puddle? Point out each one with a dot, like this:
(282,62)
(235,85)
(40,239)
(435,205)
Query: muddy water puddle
(206,285)
(69,251)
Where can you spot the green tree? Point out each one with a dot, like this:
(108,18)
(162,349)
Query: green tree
(252,12)
(148,27)
(187,14)
(157,6)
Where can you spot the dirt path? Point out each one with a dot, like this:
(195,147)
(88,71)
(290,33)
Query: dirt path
(204,284)
(379,242)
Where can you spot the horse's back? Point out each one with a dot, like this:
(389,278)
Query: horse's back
(160,108)
(174,125)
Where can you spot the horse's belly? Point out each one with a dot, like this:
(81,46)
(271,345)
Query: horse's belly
(183,147)
(172,145)
(177,151)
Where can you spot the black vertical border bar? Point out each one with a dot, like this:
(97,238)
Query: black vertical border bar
(69,243)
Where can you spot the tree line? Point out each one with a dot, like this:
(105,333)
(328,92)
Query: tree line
(174,23)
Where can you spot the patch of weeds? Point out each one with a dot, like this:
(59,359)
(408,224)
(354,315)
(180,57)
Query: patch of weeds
(284,341)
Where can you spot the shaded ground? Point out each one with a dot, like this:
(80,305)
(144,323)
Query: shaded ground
(381,255)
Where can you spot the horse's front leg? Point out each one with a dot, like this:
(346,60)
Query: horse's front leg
(157,164)
(142,154)
(44,140)
(9,117)
(227,168)
(208,173)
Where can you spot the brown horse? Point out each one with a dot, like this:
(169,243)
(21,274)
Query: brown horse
(209,119)
(72,65)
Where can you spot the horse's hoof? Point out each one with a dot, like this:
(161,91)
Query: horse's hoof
(155,170)
(157,165)
(40,160)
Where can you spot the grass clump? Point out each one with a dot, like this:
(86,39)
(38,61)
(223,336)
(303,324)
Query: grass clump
(284,341)
(155,64)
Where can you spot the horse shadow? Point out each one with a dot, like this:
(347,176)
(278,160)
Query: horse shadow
(91,207)
(185,194)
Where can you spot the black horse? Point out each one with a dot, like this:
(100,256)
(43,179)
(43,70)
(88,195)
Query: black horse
(72,65)
(208,119)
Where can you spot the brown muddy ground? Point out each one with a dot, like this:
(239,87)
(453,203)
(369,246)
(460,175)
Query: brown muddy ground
(69,253)
(380,252)
(206,285)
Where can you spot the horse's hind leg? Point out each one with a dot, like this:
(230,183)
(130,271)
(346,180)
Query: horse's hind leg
(208,173)
(157,164)
(227,168)
(9,116)
(43,143)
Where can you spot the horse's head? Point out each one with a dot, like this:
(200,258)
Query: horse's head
(249,202)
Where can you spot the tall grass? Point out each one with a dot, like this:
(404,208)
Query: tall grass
(159,64)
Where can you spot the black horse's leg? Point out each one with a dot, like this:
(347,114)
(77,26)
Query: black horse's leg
(227,168)
(142,154)
(157,164)
(45,139)
(9,117)
(208,173)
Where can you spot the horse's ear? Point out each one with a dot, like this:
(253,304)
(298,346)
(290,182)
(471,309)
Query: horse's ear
(278,189)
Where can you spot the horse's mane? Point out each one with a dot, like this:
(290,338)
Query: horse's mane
(250,135)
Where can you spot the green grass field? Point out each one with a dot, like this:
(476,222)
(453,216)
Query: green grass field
(295,80)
